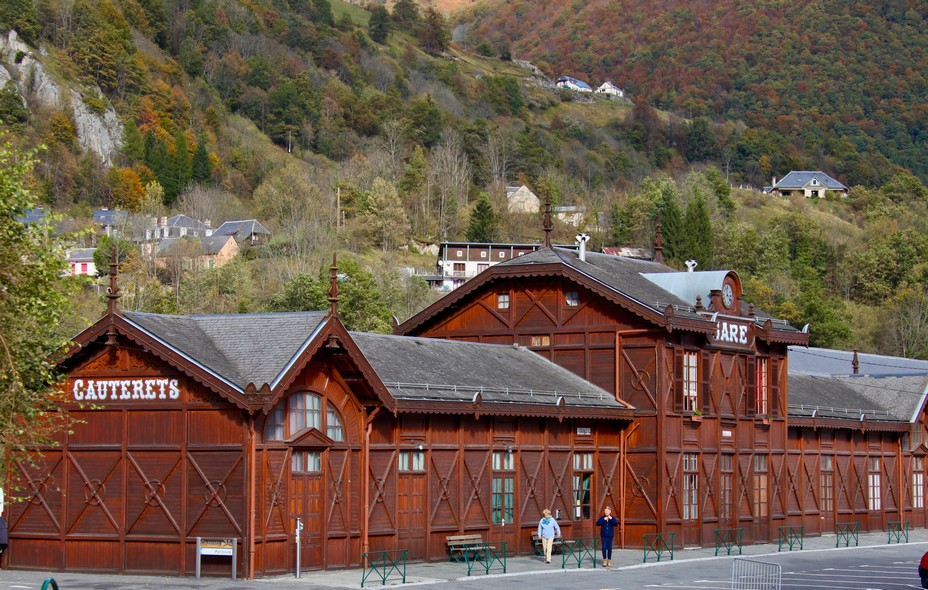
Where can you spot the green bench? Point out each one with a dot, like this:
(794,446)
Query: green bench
(791,536)
(844,532)
(729,539)
(897,531)
(658,544)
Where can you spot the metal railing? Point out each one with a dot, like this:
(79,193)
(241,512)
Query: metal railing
(748,574)
(578,550)
(382,564)
(487,556)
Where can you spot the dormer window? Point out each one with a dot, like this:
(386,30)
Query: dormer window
(814,182)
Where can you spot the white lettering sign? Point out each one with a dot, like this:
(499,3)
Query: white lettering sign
(731,332)
(124,389)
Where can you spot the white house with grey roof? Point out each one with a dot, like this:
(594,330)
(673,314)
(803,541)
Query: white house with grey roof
(809,184)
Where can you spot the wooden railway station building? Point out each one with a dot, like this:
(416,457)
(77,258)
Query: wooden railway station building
(562,379)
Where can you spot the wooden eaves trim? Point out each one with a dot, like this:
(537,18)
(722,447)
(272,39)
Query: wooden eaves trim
(517,410)
(844,424)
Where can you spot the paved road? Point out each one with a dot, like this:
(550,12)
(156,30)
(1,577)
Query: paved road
(870,567)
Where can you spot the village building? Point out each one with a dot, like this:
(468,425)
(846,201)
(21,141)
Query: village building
(809,184)
(521,199)
(247,232)
(201,253)
(610,90)
(461,261)
(81,263)
(569,83)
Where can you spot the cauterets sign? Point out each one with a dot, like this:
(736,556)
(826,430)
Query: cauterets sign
(124,389)
(730,333)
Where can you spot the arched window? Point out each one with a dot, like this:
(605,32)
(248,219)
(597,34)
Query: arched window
(301,411)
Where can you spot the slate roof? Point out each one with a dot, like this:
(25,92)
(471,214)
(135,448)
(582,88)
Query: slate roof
(110,216)
(186,221)
(635,279)
(214,244)
(241,229)
(797,179)
(826,361)
(428,369)
(36,215)
(238,348)
(80,254)
(883,398)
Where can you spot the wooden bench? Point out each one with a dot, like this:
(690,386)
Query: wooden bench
(790,536)
(729,539)
(539,550)
(897,531)
(845,531)
(458,545)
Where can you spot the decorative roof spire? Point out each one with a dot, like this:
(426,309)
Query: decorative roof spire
(855,362)
(333,286)
(659,241)
(548,225)
(112,292)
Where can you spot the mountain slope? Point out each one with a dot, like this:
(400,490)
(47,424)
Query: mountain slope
(846,81)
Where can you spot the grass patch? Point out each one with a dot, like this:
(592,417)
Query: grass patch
(358,15)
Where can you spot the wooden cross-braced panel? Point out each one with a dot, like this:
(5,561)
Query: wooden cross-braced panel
(443,479)
(382,508)
(39,478)
(532,485)
(891,500)
(476,487)
(638,370)
(709,505)
(609,466)
(338,498)
(215,493)
(673,507)
(844,480)
(641,486)
(810,499)
(277,518)
(559,474)
(784,484)
(95,493)
(154,496)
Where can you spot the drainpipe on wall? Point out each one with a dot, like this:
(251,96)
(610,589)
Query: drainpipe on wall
(901,471)
(249,573)
(366,482)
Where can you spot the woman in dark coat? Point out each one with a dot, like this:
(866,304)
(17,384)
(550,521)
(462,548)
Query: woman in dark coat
(607,524)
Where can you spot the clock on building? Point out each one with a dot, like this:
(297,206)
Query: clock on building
(728,295)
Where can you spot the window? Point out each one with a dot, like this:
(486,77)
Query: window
(482,266)
(690,486)
(690,381)
(762,390)
(412,461)
(827,483)
(571,298)
(306,462)
(304,411)
(458,267)
(503,488)
(873,479)
(301,411)
(502,301)
(918,482)
(502,254)
(760,485)
(483,253)
(541,340)
(583,477)
(726,470)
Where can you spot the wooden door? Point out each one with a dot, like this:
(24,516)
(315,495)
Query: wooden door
(411,514)
(307,501)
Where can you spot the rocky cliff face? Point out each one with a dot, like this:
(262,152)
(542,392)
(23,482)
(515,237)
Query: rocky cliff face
(99,133)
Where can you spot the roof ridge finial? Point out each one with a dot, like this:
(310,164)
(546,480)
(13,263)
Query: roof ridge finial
(112,292)
(855,362)
(333,286)
(548,225)
(659,240)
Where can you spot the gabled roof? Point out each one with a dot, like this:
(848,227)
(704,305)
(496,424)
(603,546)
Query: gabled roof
(35,215)
(574,81)
(186,221)
(801,178)
(110,216)
(443,374)
(214,244)
(241,229)
(617,278)
(80,254)
(235,347)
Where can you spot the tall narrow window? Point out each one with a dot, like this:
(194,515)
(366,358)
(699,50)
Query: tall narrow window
(305,411)
(503,488)
(690,381)
(583,476)
(690,486)
(333,427)
(827,487)
(763,389)
(874,498)
(726,475)
(760,485)
(918,482)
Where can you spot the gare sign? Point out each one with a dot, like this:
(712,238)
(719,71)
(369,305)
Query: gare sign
(124,389)
(731,333)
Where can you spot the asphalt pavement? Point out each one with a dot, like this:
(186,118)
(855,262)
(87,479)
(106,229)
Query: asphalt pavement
(520,569)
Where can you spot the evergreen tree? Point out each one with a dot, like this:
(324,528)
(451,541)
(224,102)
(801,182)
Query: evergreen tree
(379,26)
(202,168)
(698,242)
(435,35)
(663,193)
(13,111)
(406,14)
(133,144)
(177,170)
(483,222)
(20,16)
(424,122)
(322,12)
